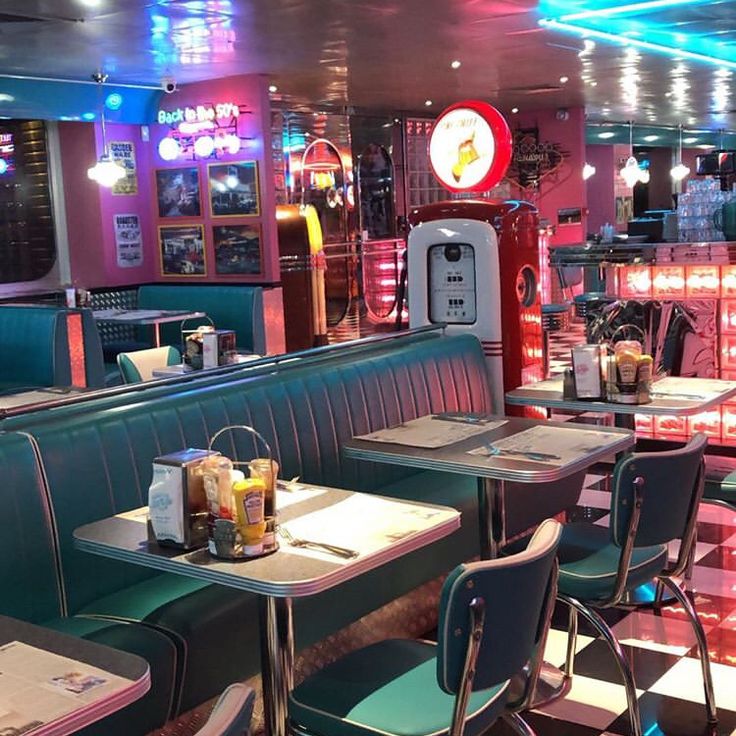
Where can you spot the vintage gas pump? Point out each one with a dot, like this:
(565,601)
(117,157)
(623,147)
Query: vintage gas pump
(472,264)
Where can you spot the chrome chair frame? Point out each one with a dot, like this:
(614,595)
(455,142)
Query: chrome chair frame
(666,578)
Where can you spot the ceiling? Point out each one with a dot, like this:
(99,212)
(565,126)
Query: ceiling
(381,54)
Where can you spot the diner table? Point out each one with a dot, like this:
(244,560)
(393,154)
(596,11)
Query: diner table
(182,369)
(536,464)
(53,684)
(670,396)
(155,317)
(374,529)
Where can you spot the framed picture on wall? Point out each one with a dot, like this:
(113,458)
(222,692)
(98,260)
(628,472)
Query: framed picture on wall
(237,249)
(234,189)
(177,192)
(182,250)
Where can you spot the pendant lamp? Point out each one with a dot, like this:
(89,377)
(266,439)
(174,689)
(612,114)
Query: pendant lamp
(679,171)
(106,172)
(632,173)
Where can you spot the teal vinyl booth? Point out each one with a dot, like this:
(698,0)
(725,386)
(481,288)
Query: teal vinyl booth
(96,459)
(34,341)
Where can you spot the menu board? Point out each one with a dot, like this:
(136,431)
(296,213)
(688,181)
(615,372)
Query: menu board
(39,687)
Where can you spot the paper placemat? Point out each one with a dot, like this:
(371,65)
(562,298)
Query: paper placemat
(362,523)
(694,388)
(38,687)
(433,431)
(287,494)
(551,445)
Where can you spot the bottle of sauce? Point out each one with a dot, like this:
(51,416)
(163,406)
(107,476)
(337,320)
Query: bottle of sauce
(248,499)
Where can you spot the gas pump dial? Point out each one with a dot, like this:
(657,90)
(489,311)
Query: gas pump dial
(451,283)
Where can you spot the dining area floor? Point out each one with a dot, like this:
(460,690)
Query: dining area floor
(659,644)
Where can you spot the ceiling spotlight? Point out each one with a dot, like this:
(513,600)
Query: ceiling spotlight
(5,97)
(651,138)
(456,64)
(605,136)
(588,171)
(273,88)
(689,140)
(564,80)
(594,84)
(514,110)
(428,103)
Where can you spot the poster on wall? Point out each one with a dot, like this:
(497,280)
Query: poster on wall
(123,152)
(182,250)
(177,192)
(128,241)
(237,249)
(234,189)
(533,159)
(624,210)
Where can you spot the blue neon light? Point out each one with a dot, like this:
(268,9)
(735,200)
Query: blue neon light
(633,24)
(3,166)
(114,101)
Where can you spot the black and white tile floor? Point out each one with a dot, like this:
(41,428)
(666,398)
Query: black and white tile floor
(661,647)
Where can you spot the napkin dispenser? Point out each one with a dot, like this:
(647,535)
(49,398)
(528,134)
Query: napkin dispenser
(218,348)
(588,364)
(177,505)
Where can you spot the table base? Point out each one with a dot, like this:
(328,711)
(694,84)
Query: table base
(490,517)
(551,685)
(277,662)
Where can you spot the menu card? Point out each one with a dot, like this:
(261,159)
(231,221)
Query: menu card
(548,444)
(435,430)
(362,523)
(38,687)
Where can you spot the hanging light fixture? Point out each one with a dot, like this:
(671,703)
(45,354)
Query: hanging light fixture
(588,171)
(632,173)
(106,172)
(679,171)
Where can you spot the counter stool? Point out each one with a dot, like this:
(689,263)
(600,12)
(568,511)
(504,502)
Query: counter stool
(720,480)
(493,620)
(555,317)
(654,500)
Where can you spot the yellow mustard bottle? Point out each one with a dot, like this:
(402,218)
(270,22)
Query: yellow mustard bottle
(248,498)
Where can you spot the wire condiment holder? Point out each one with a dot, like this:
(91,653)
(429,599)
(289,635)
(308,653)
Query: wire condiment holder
(225,540)
(191,348)
(628,370)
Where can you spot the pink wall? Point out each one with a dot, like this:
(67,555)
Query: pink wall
(600,187)
(251,93)
(566,188)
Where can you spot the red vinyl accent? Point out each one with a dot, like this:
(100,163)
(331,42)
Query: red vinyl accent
(75,338)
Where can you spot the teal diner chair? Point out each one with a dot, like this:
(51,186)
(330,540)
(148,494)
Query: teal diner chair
(493,620)
(720,481)
(654,500)
(140,364)
(232,713)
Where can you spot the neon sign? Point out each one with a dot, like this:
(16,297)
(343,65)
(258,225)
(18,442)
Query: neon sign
(7,153)
(200,131)
(199,114)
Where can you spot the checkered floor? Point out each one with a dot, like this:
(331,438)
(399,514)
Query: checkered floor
(661,647)
(560,344)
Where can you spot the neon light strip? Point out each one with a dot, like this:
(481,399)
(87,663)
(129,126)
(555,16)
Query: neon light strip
(635,8)
(632,41)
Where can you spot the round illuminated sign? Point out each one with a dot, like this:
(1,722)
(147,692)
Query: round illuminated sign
(470,147)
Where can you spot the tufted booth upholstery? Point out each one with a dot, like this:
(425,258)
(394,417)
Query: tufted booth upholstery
(97,459)
(33,589)
(231,307)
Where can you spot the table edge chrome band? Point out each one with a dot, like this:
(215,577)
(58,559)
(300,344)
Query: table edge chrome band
(504,474)
(341,574)
(605,407)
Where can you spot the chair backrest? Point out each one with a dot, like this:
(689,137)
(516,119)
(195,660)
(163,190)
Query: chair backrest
(232,713)
(671,490)
(570,276)
(140,364)
(514,590)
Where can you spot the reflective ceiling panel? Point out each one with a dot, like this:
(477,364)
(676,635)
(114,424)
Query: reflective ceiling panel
(383,54)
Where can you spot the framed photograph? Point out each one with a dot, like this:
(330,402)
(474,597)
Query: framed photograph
(177,192)
(234,189)
(237,249)
(182,250)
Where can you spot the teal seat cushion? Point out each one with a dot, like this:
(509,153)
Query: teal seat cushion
(720,478)
(589,562)
(387,688)
(194,616)
(155,707)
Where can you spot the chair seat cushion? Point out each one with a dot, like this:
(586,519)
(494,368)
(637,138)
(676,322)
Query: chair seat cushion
(388,688)
(589,562)
(555,308)
(154,708)
(194,616)
(720,478)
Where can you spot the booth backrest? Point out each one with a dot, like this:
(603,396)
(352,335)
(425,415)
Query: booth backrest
(98,461)
(28,559)
(230,306)
(34,345)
